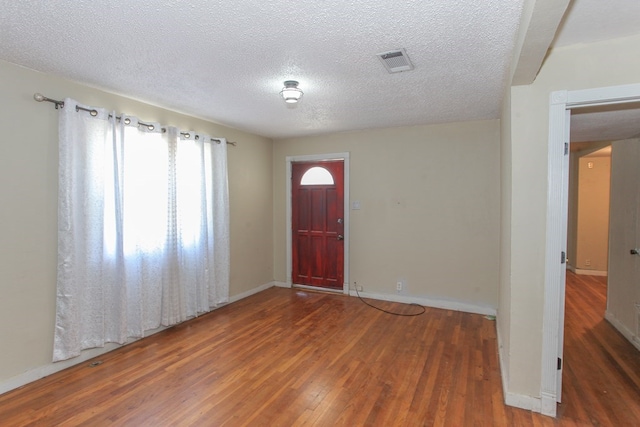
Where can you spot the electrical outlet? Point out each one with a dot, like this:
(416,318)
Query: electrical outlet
(357,287)
(587,262)
(399,286)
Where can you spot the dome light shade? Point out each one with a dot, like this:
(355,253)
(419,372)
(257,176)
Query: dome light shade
(290,92)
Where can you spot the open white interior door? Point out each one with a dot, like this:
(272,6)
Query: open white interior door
(556,234)
(565,219)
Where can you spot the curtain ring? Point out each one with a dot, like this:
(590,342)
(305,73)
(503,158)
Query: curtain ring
(93,113)
(127,121)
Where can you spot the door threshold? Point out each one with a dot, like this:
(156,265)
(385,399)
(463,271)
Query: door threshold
(317,288)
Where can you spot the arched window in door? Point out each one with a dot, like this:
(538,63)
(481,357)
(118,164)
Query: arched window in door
(317,176)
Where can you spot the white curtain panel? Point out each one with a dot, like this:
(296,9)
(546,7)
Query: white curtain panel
(143,228)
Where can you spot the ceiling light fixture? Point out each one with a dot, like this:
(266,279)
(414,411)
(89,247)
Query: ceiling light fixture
(291,93)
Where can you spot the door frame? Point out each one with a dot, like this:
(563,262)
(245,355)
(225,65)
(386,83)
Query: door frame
(317,158)
(560,105)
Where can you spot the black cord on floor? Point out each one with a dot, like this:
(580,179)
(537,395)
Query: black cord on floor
(424,309)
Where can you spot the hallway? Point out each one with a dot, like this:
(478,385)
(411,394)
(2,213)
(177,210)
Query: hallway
(601,384)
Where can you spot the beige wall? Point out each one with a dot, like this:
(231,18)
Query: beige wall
(28,208)
(429,208)
(575,67)
(592,243)
(503,318)
(572,227)
(572,208)
(623,290)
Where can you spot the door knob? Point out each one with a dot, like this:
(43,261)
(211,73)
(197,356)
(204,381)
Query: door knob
(634,252)
(340,237)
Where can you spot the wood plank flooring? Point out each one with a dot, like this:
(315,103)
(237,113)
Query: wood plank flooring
(296,358)
(601,383)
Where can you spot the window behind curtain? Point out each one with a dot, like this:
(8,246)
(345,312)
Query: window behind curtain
(143,225)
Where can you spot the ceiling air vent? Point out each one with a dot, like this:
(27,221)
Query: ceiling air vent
(396,61)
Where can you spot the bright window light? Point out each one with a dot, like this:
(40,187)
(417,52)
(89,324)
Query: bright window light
(317,176)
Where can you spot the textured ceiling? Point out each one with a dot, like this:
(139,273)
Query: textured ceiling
(226,61)
(606,123)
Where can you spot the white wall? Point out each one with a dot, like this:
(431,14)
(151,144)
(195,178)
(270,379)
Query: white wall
(576,67)
(28,209)
(429,208)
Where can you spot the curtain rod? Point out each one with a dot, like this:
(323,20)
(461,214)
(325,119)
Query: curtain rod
(60,104)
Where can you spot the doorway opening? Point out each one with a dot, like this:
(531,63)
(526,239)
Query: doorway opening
(561,106)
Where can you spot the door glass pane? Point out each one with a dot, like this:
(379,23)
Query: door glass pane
(317,176)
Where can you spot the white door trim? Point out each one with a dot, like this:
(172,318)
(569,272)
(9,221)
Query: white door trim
(561,102)
(311,158)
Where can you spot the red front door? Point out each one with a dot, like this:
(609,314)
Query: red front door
(318,224)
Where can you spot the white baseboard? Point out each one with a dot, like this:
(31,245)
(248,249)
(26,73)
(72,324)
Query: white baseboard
(530,403)
(430,302)
(46,370)
(282,284)
(590,272)
(628,334)
(548,405)
(521,401)
(252,292)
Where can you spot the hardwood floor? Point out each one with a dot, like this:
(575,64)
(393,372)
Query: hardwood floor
(601,383)
(292,357)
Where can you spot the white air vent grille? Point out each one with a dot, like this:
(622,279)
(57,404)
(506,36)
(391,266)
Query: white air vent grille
(396,61)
